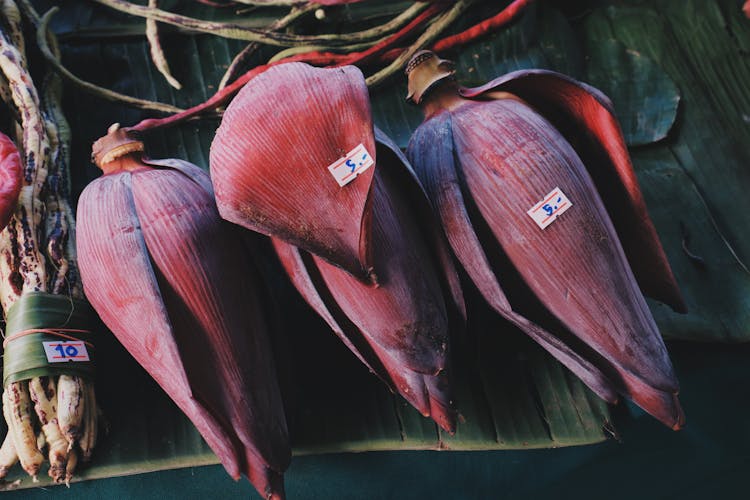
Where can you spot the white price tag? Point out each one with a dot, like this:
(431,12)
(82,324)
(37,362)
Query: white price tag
(346,169)
(546,211)
(62,352)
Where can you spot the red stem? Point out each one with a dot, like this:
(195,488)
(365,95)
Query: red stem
(499,20)
(480,29)
(217,4)
(379,50)
(220,97)
(315,58)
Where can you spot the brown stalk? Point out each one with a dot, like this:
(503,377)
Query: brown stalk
(157,52)
(106,94)
(239,32)
(241,59)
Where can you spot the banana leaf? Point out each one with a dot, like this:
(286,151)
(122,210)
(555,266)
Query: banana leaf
(513,396)
(695,181)
(676,73)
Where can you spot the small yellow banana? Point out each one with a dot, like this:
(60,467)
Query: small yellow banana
(21,428)
(8,456)
(71,467)
(44,396)
(70,403)
(41,442)
(88,438)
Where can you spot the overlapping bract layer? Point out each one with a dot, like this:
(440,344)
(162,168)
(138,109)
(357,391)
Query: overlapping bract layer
(358,254)
(486,156)
(398,329)
(170,279)
(269,161)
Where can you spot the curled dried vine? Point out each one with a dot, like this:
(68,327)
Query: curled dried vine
(236,31)
(157,52)
(384,50)
(106,94)
(242,57)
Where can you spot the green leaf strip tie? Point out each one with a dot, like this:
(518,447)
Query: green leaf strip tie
(40,317)
(59,332)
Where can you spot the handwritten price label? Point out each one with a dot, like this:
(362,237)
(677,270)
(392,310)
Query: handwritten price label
(346,169)
(62,352)
(546,211)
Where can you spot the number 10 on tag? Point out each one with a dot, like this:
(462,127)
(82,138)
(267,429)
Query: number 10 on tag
(62,352)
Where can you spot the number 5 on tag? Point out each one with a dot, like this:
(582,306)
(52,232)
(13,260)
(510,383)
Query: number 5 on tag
(346,169)
(550,208)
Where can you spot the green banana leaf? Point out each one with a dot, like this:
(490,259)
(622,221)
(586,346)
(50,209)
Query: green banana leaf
(512,395)
(677,74)
(697,178)
(515,397)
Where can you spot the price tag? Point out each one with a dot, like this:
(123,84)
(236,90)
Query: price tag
(62,352)
(346,169)
(546,211)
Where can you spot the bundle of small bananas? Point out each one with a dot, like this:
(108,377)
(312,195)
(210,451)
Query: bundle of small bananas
(54,411)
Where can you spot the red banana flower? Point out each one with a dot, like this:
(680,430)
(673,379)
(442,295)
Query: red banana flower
(170,279)
(356,252)
(11,173)
(538,144)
